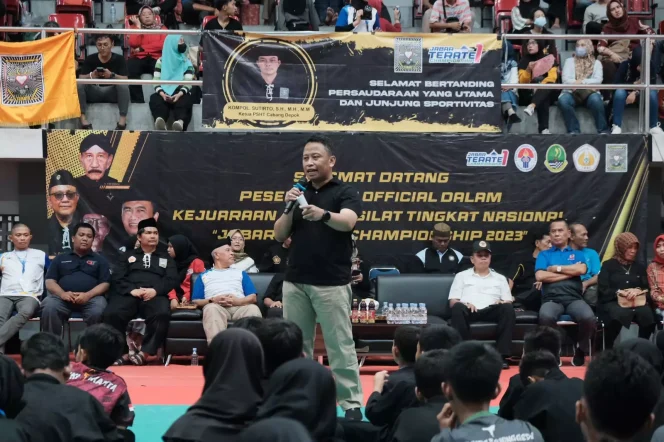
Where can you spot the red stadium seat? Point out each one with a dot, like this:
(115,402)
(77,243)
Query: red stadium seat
(200,51)
(84,7)
(13,14)
(485,4)
(642,9)
(3,21)
(571,22)
(75,21)
(661,27)
(503,15)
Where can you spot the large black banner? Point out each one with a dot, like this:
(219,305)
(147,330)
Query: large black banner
(359,82)
(496,188)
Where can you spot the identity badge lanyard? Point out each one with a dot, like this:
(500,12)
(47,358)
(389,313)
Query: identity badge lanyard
(22,261)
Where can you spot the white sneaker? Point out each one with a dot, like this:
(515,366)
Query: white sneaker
(529,110)
(159,124)
(546,132)
(656,130)
(615,130)
(178,125)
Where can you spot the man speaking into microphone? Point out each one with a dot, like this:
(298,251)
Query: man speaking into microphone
(317,281)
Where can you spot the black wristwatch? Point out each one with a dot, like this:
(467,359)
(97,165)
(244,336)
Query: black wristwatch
(112,75)
(326,216)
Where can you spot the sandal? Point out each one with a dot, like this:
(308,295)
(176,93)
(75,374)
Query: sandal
(138,359)
(120,126)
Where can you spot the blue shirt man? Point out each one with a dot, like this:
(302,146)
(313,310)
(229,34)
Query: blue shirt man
(559,269)
(579,241)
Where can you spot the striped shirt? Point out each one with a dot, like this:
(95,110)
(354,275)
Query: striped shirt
(188,76)
(460,9)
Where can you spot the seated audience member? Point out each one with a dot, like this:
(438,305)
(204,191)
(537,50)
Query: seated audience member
(559,269)
(11,403)
(549,399)
(274,296)
(440,257)
(303,390)
(482,294)
(385,19)
(579,241)
(233,370)
(539,28)
(453,16)
(55,412)
(141,285)
(420,423)
(648,351)
(242,260)
(537,67)
(620,392)
(224,293)
(582,68)
(22,283)
(169,98)
(522,15)
(281,341)
(144,50)
(656,274)
(194,11)
(98,348)
(557,11)
(296,15)
(623,97)
(541,339)
(276,429)
(158,6)
(77,280)
(106,65)
(623,292)
(509,74)
(526,290)
(436,337)
(275,260)
(358,16)
(226,10)
(187,263)
(594,17)
(472,374)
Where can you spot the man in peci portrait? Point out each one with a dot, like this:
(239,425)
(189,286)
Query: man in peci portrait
(96,159)
(269,81)
(63,200)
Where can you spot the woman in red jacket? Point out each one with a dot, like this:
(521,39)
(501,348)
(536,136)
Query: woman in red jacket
(187,261)
(144,50)
(385,19)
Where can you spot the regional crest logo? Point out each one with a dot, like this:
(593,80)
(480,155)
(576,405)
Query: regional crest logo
(22,79)
(408,55)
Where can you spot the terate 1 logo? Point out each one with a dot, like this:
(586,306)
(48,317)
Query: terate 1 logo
(491,159)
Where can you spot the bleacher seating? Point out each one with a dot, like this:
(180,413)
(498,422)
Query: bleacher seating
(83,7)
(572,23)
(502,10)
(486,4)
(70,20)
(13,14)
(642,9)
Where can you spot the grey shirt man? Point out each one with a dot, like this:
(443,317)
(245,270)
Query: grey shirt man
(486,427)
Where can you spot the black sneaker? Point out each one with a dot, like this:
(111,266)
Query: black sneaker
(579,359)
(506,364)
(354,414)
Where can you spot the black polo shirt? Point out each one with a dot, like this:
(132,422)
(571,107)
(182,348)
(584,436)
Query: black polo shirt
(75,273)
(320,255)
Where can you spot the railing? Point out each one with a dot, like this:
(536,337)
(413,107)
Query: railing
(644,105)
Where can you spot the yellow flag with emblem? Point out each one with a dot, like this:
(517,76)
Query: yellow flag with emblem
(38,81)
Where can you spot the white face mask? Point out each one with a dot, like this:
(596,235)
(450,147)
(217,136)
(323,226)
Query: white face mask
(540,21)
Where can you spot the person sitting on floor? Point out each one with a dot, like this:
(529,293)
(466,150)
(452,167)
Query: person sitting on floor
(187,263)
(549,400)
(472,374)
(276,429)
(223,292)
(420,423)
(98,348)
(282,342)
(55,412)
(541,339)
(104,64)
(170,98)
(144,50)
(436,337)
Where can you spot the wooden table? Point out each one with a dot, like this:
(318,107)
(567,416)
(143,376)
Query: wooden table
(360,331)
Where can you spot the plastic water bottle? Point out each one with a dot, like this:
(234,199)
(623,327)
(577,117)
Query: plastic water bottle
(406,314)
(113,17)
(397,314)
(423,311)
(390,314)
(194,358)
(414,314)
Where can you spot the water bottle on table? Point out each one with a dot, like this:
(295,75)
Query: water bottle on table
(194,358)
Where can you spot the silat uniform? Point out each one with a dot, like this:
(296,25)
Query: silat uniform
(60,237)
(434,261)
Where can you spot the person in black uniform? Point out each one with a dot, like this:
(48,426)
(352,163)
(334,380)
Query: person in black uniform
(63,199)
(265,84)
(140,286)
(275,260)
(440,257)
(526,290)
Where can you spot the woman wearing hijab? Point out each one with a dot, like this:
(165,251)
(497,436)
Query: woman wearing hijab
(656,274)
(536,66)
(522,15)
(187,261)
(539,28)
(144,50)
(648,351)
(623,291)
(303,390)
(233,370)
(170,98)
(242,260)
(276,429)
(582,68)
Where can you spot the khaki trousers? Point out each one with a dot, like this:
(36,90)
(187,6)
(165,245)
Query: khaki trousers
(216,317)
(303,304)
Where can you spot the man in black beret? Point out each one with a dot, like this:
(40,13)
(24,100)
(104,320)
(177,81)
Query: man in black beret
(96,159)
(63,200)
(140,287)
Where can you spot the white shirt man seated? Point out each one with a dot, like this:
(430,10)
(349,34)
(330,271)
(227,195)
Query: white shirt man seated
(224,293)
(482,294)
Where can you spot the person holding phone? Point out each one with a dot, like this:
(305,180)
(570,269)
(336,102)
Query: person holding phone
(451,16)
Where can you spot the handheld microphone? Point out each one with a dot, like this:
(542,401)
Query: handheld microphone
(300,199)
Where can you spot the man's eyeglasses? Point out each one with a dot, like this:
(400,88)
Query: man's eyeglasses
(61,195)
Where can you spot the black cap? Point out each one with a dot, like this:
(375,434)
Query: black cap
(62,178)
(480,246)
(96,140)
(221,243)
(147,222)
